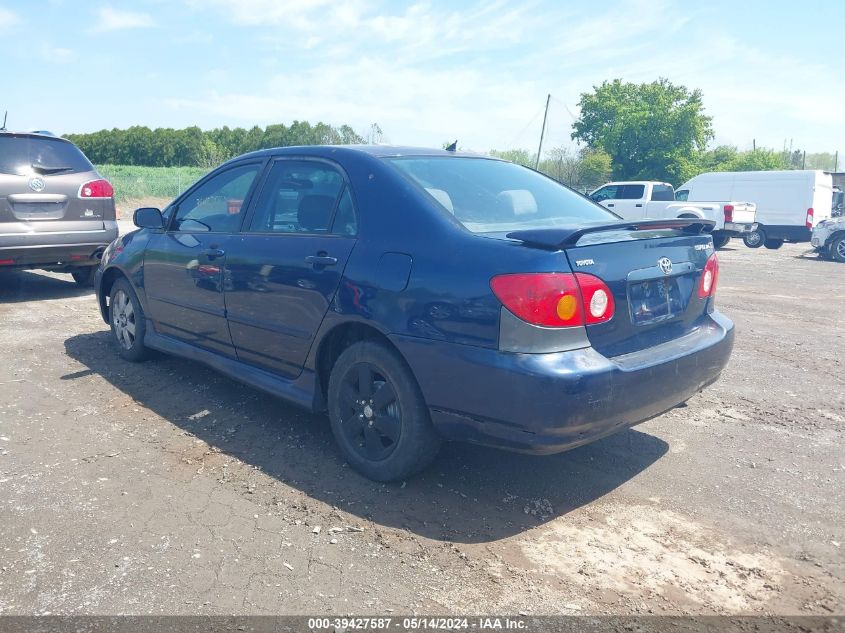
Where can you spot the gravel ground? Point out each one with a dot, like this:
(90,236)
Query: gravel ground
(164,487)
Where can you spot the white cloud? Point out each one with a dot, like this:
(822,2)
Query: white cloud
(8,19)
(111,19)
(57,54)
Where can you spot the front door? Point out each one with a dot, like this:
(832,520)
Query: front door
(285,268)
(184,266)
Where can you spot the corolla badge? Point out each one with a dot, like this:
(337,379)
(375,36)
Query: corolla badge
(665,264)
(36,184)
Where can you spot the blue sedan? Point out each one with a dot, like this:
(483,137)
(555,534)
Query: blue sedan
(420,295)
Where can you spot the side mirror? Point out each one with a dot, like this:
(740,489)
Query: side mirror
(148,218)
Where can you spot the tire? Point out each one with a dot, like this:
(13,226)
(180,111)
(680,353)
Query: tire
(127,322)
(84,276)
(773,244)
(754,239)
(837,249)
(720,240)
(378,415)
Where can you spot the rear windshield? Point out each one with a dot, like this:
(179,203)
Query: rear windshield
(30,156)
(492,196)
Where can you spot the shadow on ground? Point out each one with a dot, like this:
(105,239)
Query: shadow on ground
(27,285)
(470,494)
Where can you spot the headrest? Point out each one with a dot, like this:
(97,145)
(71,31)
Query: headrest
(442,197)
(520,201)
(315,212)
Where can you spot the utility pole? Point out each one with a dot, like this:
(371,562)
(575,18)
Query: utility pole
(542,132)
(836,161)
(804,160)
(754,145)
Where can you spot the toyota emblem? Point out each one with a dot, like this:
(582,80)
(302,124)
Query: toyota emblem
(665,265)
(36,184)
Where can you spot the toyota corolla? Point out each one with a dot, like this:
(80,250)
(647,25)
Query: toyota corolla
(421,295)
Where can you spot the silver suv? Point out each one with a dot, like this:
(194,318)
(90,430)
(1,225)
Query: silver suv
(56,211)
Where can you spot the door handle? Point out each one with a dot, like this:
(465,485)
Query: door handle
(321,260)
(638,205)
(214,253)
(610,204)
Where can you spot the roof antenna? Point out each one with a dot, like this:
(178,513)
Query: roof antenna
(5,116)
(453,147)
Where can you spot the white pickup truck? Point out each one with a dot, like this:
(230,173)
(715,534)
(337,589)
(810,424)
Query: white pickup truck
(635,200)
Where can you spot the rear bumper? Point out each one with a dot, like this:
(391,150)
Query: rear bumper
(548,403)
(738,228)
(59,249)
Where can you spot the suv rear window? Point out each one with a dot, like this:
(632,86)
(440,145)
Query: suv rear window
(491,196)
(29,155)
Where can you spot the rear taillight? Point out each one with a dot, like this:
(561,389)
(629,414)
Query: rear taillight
(6,262)
(96,189)
(729,213)
(555,299)
(597,298)
(810,214)
(709,277)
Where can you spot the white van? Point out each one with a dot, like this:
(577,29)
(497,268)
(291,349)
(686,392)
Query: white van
(789,203)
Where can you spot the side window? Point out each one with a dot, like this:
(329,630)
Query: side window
(663,193)
(682,195)
(299,196)
(216,205)
(630,192)
(605,193)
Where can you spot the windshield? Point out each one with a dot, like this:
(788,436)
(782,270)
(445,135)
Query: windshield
(31,156)
(493,196)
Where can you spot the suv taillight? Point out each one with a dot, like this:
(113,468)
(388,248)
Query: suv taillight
(96,189)
(810,214)
(709,278)
(729,213)
(555,299)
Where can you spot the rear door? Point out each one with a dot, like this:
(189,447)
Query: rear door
(42,187)
(285,268)
(184,275)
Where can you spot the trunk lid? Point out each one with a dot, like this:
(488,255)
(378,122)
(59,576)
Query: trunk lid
(653,270)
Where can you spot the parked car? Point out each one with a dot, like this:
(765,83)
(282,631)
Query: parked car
(829,238)
(56,211)
(420,295)
(789,203)
(634,200)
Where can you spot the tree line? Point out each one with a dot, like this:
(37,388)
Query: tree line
(625,131)
(168,147)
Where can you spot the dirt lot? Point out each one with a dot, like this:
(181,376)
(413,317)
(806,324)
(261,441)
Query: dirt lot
(165,488)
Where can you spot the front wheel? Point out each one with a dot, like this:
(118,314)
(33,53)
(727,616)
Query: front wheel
(720,240)
(127,321)
(84,276)
(773,244)
(377,412)
(754,239)
(837,249)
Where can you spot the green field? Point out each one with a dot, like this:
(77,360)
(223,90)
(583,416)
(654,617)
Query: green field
(131,182)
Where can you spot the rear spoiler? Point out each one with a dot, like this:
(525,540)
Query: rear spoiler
(565,237)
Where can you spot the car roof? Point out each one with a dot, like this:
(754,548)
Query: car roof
(378,151)
(36,134)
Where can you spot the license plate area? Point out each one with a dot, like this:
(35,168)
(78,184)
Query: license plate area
(655,300)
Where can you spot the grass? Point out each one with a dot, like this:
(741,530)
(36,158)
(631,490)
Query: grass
(131,182)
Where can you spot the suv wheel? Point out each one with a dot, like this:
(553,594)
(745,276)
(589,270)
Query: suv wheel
(127,321)
(378,415)
(754,239)
(84,276)
(773,244)
(837,249)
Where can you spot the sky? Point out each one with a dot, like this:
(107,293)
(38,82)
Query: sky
(425,71)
